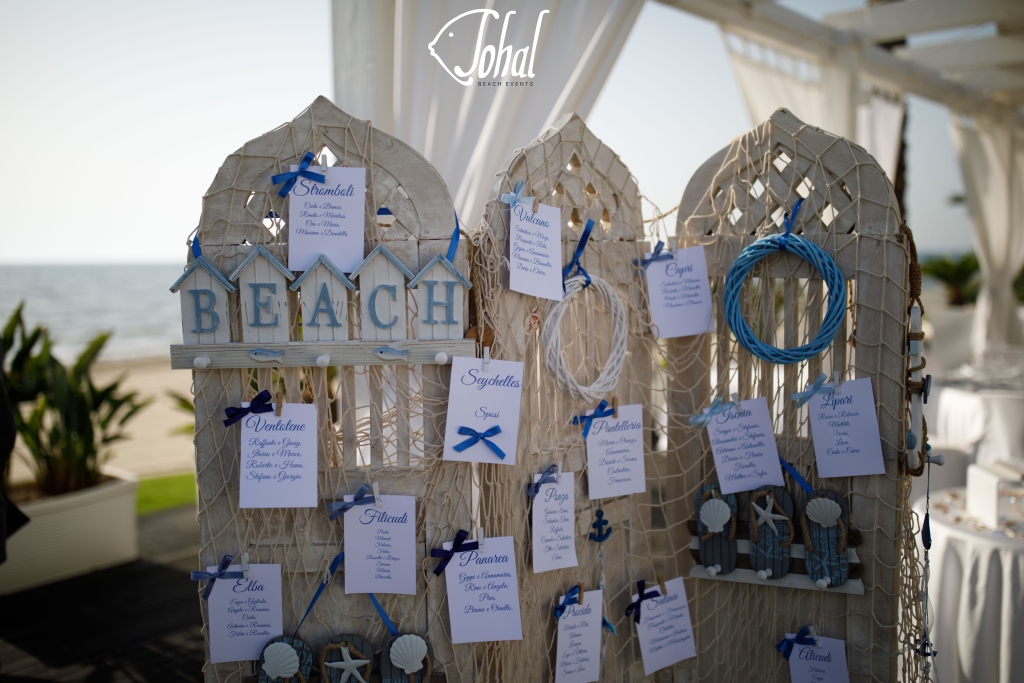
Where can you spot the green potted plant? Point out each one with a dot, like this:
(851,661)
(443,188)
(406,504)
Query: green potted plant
(82,516)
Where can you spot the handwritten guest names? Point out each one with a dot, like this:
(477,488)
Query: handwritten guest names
(244,613)
(554,531)
(380,546)
(743,443)
(535,244)
(615,454)
(327,218)
(844,428)
(483,593)
(578,658)
(278,465)
(665,631)
(679,294)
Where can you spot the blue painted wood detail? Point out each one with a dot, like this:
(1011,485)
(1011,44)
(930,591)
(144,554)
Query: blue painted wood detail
(261,250)
(383,251)
(322,260)
(323,305)
(826,551)
(260,305)
(372,305)
(448,303)
(201,262)
(718,549)
(211,301)
(442,259)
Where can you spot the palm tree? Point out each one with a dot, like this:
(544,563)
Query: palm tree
(960,275)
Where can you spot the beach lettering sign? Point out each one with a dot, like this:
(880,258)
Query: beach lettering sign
(262,283)
(440,292)
(382,300)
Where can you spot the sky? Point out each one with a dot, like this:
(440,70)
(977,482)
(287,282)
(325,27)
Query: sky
(124,110)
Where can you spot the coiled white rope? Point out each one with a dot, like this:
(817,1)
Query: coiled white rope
(551,340)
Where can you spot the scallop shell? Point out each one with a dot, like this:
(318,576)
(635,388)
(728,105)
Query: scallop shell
(824,511)
(280,660)
(714,513)
(407,653)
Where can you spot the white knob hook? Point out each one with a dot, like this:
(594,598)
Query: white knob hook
(823,583)
(441,358)
(764,574)
(201,362)
(714,569)
(323,360)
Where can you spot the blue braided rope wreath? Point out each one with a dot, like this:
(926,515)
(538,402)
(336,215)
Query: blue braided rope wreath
(809,252)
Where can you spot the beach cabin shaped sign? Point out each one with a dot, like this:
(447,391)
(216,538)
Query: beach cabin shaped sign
(204,302)
(440,290)
(263,296)
(323,299)
(382,300)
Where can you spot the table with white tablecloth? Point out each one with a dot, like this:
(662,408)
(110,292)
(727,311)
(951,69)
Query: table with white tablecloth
(977,591)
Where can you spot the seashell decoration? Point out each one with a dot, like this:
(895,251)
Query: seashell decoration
(824,511)
(407,653)
(280,660)
(714,513)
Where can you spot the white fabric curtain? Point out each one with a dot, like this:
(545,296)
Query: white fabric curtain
(384,71)
(991,155)
(823,93)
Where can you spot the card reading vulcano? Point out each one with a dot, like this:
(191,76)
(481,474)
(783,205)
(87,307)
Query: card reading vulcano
(278,467)
(483,411)
(743,443)
(483,593)
(327,218)
(380,546)
(535,251)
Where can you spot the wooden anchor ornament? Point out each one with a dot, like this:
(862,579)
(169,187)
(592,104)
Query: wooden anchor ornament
(406,658)
(771,531)
(346,659)
(286,659)
(716,527)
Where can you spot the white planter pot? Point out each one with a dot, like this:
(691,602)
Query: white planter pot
(72,534)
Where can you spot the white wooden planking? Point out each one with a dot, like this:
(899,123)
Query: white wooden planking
(311,291)
(259,271)
(440,275)
(199,279)
(384,278)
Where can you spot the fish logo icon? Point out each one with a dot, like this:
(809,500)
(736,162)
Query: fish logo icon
(487,56)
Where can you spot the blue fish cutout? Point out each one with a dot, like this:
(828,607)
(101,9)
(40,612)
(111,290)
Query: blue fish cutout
(265,355)
(390,353)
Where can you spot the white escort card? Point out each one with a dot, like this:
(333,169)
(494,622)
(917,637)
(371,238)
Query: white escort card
(578,653)
(554,529)
(615,454)
(483,593)
(485,407)
(327,218)
(665,631)
(844,427)
(810,664)
(278,466)
(535,251)
(679,294)
(380,546)
(743,443)
(244,613)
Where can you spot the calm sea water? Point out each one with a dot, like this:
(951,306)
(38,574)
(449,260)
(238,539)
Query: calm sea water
(77,302)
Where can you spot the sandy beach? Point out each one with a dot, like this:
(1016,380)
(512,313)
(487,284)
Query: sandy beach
(151,449)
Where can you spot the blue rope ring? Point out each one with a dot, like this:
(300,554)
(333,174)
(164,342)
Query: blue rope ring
(809,252)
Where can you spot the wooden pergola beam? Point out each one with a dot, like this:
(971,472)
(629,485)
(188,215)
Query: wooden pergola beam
(896,20)
(982,53)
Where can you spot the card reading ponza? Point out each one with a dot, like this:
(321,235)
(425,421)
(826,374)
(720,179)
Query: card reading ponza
(810,664)
(615,454)
(535,251)
(680,295)
(380,546)
(743,443)
(554,531)
(327,218)
(481,401)
(483,593)
(244,613)
(578,655)
(845,431)
(665,632)
(278,467)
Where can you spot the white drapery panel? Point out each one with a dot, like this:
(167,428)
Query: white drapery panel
(384,71)
(825,93)
(991,155)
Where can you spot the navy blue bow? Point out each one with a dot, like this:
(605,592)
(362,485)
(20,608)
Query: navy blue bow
(567,271)
(458,546)
(655,256)
(548,477)
(338,508)
(571,598)
(221,573)
(788,222)
(602,410)
(785,646)
(290,177)
(634,608)
(475,436)
(260,404)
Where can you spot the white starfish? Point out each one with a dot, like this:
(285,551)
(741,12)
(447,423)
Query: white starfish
(349,666)
(766,516)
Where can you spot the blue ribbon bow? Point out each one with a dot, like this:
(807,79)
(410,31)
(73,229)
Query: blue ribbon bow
(634,608)
(567,271)
(513,198)
(453,245)
(797,478)
(221,573)
(290,177)
(323,584)
(655,256)
(785,646)
(197,249)
(458,545)
(338,508)
(788,222)
(548,477)
(260,404)
(571,598)
(802,397)
(702,420)
(475,436)
(602,410)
